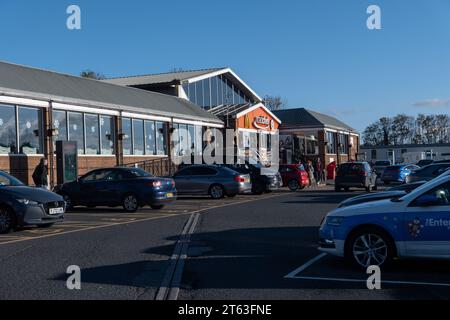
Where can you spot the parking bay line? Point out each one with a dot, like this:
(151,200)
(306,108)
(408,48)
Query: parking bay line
(295,275)
(136,221)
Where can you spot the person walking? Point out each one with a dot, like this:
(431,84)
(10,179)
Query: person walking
(319,172)
(40,174)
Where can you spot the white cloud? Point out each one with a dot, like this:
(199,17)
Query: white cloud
(432,103)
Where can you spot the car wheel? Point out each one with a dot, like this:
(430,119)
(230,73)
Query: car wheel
(216,192)
(130,203)
(293,185)
(159,207)
(68,200)
(7,220)
(370,247)
(258,189)
(45,226)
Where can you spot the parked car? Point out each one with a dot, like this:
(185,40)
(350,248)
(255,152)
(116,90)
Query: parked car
(371,197)
(398,173)
(408,187)
(261,181)
(356,175)
(423,163)
(215,181)
(131,188)
(428,173)
(380,165)
(413,226)
(294,176)
(22,206)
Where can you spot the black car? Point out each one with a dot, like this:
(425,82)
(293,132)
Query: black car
(130,188)
(356,175)
(22,206)
(261,183)
(409,187)
(424,163)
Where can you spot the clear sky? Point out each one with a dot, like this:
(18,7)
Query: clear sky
(317,53)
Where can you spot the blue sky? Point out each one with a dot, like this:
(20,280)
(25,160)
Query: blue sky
(316,53)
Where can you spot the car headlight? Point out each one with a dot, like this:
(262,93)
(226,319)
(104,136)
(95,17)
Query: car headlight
(28,202)
(335,221)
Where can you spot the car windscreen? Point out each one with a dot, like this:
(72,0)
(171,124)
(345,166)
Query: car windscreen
(7,180)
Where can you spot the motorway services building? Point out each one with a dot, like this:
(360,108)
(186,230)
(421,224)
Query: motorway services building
(112,125)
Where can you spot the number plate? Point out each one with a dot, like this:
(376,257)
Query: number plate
(169,195)
(56,211)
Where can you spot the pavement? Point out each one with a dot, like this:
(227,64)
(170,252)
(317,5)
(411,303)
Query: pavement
(250,247)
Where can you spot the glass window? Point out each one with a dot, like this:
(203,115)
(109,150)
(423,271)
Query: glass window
(200,97)
(60,124)
(221,85)
(198,140)
(184,140)
(191,140)
(126,130)
(374,154)
(331,146)
(150,138)
(207,93)
(161,146)
(76,130)
(8,132)
(30,131)
(229,93)
(107,135)
(192,93)
(343,143)
(214,91)
(138,137)
(92,134)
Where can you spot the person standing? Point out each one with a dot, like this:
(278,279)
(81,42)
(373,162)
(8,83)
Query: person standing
(40,174)
(319,171)
(311,174)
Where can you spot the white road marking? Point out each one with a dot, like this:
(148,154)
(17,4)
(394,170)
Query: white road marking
(305,266)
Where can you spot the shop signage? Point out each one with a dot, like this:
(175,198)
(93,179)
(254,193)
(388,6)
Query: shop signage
(264,123)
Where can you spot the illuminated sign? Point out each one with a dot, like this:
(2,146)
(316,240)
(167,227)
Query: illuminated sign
(264,123)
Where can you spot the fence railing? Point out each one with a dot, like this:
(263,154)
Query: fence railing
(159,167)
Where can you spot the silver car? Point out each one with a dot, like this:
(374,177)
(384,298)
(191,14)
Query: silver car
(215,181)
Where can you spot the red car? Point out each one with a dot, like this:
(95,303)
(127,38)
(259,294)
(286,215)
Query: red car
(294,176)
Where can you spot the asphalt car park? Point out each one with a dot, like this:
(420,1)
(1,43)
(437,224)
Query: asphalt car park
(84,219)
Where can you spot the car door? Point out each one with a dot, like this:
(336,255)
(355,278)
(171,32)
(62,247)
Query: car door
(202,179)
(427,224)
(112,188)
(183,180)
(90,186)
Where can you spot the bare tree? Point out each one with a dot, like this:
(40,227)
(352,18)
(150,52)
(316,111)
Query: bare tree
(275,103)
(92,75)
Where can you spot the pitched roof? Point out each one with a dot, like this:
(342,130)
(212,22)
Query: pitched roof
(161,78)
(47,85)
(309,119)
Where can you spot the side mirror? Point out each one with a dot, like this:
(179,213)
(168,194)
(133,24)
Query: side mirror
(427,200)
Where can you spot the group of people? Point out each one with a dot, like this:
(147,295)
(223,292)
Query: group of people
(316,171)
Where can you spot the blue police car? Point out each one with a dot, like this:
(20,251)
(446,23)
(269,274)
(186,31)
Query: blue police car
(414,226)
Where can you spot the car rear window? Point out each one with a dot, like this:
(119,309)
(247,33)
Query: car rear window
(351,168)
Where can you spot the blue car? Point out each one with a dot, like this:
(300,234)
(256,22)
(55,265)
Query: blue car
(416,225)
(131,188)
(397,174)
